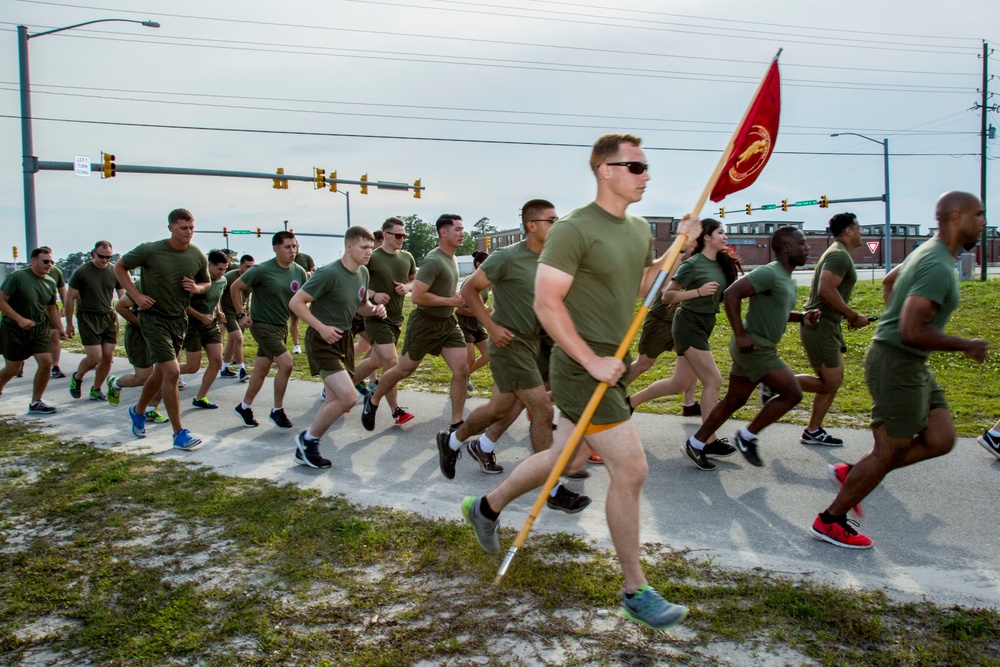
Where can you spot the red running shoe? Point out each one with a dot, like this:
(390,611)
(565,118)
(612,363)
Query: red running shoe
(596,459)
(401,416)
(840,532)
(838,473)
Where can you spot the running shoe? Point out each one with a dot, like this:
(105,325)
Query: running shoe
(990,444)
(820,437)
(469,386)
(184,440)
(39,408)
(279,419)
(181,384)
(114,393)
(307,452)
(628,402)
(697,456)
(748,448)
(401,416)
(138,423)
(246,414)
(693,410)
(244,376)
(363,389)
(567,501)
(154,416)
(487,460)
(486,530)
(596,459)
(97,395)
(582,473)
(647,606)
(226,373)
(719,448)
(74,386)
(57,373)
(296,349)
(838,475)
(368,414)
(203,403)
(446,455)
(840,532)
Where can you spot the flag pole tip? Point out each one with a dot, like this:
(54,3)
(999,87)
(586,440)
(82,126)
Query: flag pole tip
(778,54)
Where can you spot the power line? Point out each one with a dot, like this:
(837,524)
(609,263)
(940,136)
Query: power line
(504,142)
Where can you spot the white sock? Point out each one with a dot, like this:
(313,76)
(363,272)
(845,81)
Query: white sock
(241,367)
(696,444)
(244,406)
(310,436)
(116,385)
(747,435)
(454,442)
(273,410)
(485,444)
(555,490)
(688,405)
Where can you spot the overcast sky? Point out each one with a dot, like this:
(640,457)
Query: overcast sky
(493,103)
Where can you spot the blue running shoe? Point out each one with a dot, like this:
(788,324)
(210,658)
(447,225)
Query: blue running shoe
(138,423)
(649,608)
(184,440)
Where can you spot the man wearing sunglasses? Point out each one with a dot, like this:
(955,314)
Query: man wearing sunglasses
(28,305)
(392,271)
(596,260)
(93,285)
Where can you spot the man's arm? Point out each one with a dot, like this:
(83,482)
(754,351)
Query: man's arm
(888,282)
(423,297)
(476,283)
(9,311)
(236,292)
(53,312)
(125,280)
(201,317)
(733,298)
(124,308)
(916,330)
(299,305)
(72,294)
(828,284)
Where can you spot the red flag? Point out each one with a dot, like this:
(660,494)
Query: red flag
(754,142)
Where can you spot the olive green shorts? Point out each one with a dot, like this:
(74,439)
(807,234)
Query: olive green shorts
(164,335)
(381,332)
(270,339)
(426,334)
(903,390)
(135,348)
(692,329)
(515,366)
(18,344)
(572,388)
(823,343)
(232,324)
(328,358)
(657,336)
(97,328)
(472,329)
(755,365)
(200,335)
(545,345)
(358,325)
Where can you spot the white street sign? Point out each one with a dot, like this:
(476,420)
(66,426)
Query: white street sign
(81,165)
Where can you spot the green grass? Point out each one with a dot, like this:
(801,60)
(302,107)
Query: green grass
(130,560)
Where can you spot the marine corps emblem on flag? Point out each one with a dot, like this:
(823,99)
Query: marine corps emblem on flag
(753,158)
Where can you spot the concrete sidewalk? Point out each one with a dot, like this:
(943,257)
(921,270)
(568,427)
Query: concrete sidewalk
(931,523)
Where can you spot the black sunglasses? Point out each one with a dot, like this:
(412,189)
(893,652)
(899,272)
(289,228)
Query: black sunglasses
(633,167)
(399,237)
(104,256)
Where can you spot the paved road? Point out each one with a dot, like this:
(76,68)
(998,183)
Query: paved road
(934,532)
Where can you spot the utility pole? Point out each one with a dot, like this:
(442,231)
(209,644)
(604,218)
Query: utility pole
(984,106)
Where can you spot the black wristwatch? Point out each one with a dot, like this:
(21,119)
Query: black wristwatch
(240,316)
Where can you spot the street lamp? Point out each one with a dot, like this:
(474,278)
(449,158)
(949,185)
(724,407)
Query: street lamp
(28,160)
(348,195)
(885,197)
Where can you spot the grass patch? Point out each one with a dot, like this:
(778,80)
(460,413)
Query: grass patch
(122,559)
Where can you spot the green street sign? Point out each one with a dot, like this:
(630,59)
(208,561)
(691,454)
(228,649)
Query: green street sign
(240,231)
(806,202)
(768,207)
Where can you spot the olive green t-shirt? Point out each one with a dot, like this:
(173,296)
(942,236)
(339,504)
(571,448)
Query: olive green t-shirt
(606,256)
(227,297)
(57,275)
(511,270)
(29,295)
(96,287)
(206,303)
(305,261)
(767,314)
(162,270)
(929,272)
(337,293)
(837,260)
(272,288)
(695,272)
(384,268)
(439,271)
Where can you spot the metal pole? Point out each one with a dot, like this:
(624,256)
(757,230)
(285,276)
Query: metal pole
(348,195)
(982,156)
(29,163)
(888,229)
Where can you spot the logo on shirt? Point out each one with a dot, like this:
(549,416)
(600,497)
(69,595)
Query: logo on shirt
(295,285)
(361,293)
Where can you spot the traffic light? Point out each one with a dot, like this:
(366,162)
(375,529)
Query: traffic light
(364,184)
(416,189)
(109,168)
(749,209)
(824,202)
(258,232)
(784,205)
(225,232)
(722,213)
(333,181)
(320,176)
(15,252)
(280,183)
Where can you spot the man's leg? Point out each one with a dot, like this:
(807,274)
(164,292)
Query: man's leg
(285,364)
(214,353)
(9,371)
(678,382)
(391,378)
(386,357)
(458,362)
(261,367)
(56,346)
(340,398)
(192,362)
(42,375)
(702,364)
(496,430)
(104,365)
(89,362)
(740,389)
(496,409)
(475,363)
(638,367)
(164,378)
(782,381)
(293,324)
(824,385)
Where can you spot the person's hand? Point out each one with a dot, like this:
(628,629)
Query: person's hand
(144,302)
(606,369)
(245,322)
(976,350)
(380,298)
(708,289)
(330,334)
(206,319)
(189,285)
(745,343)
(501,336)
(63,335)
(458,301)
(380,311)
(400,288)
(859,321)
(70,330)
(25,323)
(811,317)
(691,226)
